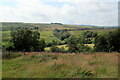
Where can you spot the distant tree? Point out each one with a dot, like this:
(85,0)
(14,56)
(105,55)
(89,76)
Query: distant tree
(89,34)
(61,34)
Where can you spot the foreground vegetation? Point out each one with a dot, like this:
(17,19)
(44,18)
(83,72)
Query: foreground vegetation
(54,65)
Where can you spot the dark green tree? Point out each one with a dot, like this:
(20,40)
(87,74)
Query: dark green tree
(101,44)
(25,40)
(114,40)
(109,42)
(89,34)
(42,45)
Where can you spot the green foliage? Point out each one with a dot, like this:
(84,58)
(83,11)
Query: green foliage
(42,44)
(9,46)
(61,34)
(54,42)
(114,40)
(25,40)
(57,49)
(109,42)
(101,43)
(75,45)
(88,37)
(89,34)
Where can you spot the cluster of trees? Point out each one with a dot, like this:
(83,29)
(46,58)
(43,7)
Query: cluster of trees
(88,37)
(26,40)
(89,34)
(109,42)
(54,43)
(61,34)
(76,45)
(103,43)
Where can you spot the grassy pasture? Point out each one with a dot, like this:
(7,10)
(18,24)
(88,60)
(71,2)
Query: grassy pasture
(59,46)
(66,48)
(56,65)
(47,35)
(99,31)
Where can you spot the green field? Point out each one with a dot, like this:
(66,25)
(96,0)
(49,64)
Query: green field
(66,48)
(15,25)
(99,31)
(47,35)
(52,65)
(59,46)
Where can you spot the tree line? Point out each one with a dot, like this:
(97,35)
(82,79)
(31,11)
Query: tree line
(28,40)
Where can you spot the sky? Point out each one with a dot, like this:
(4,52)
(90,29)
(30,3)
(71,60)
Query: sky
(79,12)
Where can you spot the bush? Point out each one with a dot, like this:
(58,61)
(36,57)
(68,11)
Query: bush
(58,50)
(53,43)
(10,47)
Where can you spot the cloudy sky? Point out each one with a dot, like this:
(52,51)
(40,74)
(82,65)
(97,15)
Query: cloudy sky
(89,12)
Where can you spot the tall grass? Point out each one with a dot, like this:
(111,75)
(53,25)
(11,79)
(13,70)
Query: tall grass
(50,65)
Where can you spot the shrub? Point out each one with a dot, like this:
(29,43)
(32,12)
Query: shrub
(53,43)
(57,49)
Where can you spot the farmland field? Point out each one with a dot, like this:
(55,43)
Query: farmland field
(99,31)
(57,65)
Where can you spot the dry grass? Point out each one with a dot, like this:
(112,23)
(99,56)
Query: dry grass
(59,65)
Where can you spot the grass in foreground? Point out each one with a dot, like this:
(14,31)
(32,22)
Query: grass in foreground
(56,65)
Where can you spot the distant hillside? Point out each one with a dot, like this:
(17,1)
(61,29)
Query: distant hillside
(21,25)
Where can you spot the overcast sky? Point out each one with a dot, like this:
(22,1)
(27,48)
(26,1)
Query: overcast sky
(89,12)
